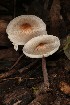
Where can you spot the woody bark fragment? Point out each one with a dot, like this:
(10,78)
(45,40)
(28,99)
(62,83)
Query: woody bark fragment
(55,17)
(17,96)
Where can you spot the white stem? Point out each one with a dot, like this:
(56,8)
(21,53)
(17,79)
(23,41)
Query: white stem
(15,47)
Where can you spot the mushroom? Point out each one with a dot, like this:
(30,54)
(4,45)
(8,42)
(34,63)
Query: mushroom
(22,28)
(41,47)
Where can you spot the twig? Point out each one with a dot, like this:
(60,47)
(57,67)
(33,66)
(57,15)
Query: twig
(27,67)
(12,71)
(18,78)
(17,61)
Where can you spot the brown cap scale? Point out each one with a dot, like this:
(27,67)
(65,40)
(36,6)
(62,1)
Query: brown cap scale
(22,28)
(41,47)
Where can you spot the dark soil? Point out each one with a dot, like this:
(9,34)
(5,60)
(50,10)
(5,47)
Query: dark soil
(21,78)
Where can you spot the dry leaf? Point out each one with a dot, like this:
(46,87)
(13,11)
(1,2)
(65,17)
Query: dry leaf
(64,87)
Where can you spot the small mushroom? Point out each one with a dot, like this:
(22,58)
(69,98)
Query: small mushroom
(41,47)
(22,28)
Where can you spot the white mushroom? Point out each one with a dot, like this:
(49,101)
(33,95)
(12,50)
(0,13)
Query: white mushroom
(22,28)
(41,47)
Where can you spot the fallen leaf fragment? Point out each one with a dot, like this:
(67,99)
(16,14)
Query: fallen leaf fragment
(64,87)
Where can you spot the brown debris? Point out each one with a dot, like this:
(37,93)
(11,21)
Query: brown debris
(4,41)
(55,17)
(40,89)
(9,54)
(40,100)
(18,95)
(3,25)
(64,87)
(12,71)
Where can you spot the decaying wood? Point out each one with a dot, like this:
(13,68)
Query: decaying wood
(55,17)
(17,96)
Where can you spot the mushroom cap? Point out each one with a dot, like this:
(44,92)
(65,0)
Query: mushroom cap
(40,46)
(24,27)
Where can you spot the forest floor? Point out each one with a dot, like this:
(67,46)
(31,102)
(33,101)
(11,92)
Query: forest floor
(21,78)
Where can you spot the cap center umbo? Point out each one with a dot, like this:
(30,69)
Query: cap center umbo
(26,26)
(41,46)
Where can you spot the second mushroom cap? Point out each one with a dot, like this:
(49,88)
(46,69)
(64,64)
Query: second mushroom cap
(40,46)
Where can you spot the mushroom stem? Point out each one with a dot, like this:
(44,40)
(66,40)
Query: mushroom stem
(45,74)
